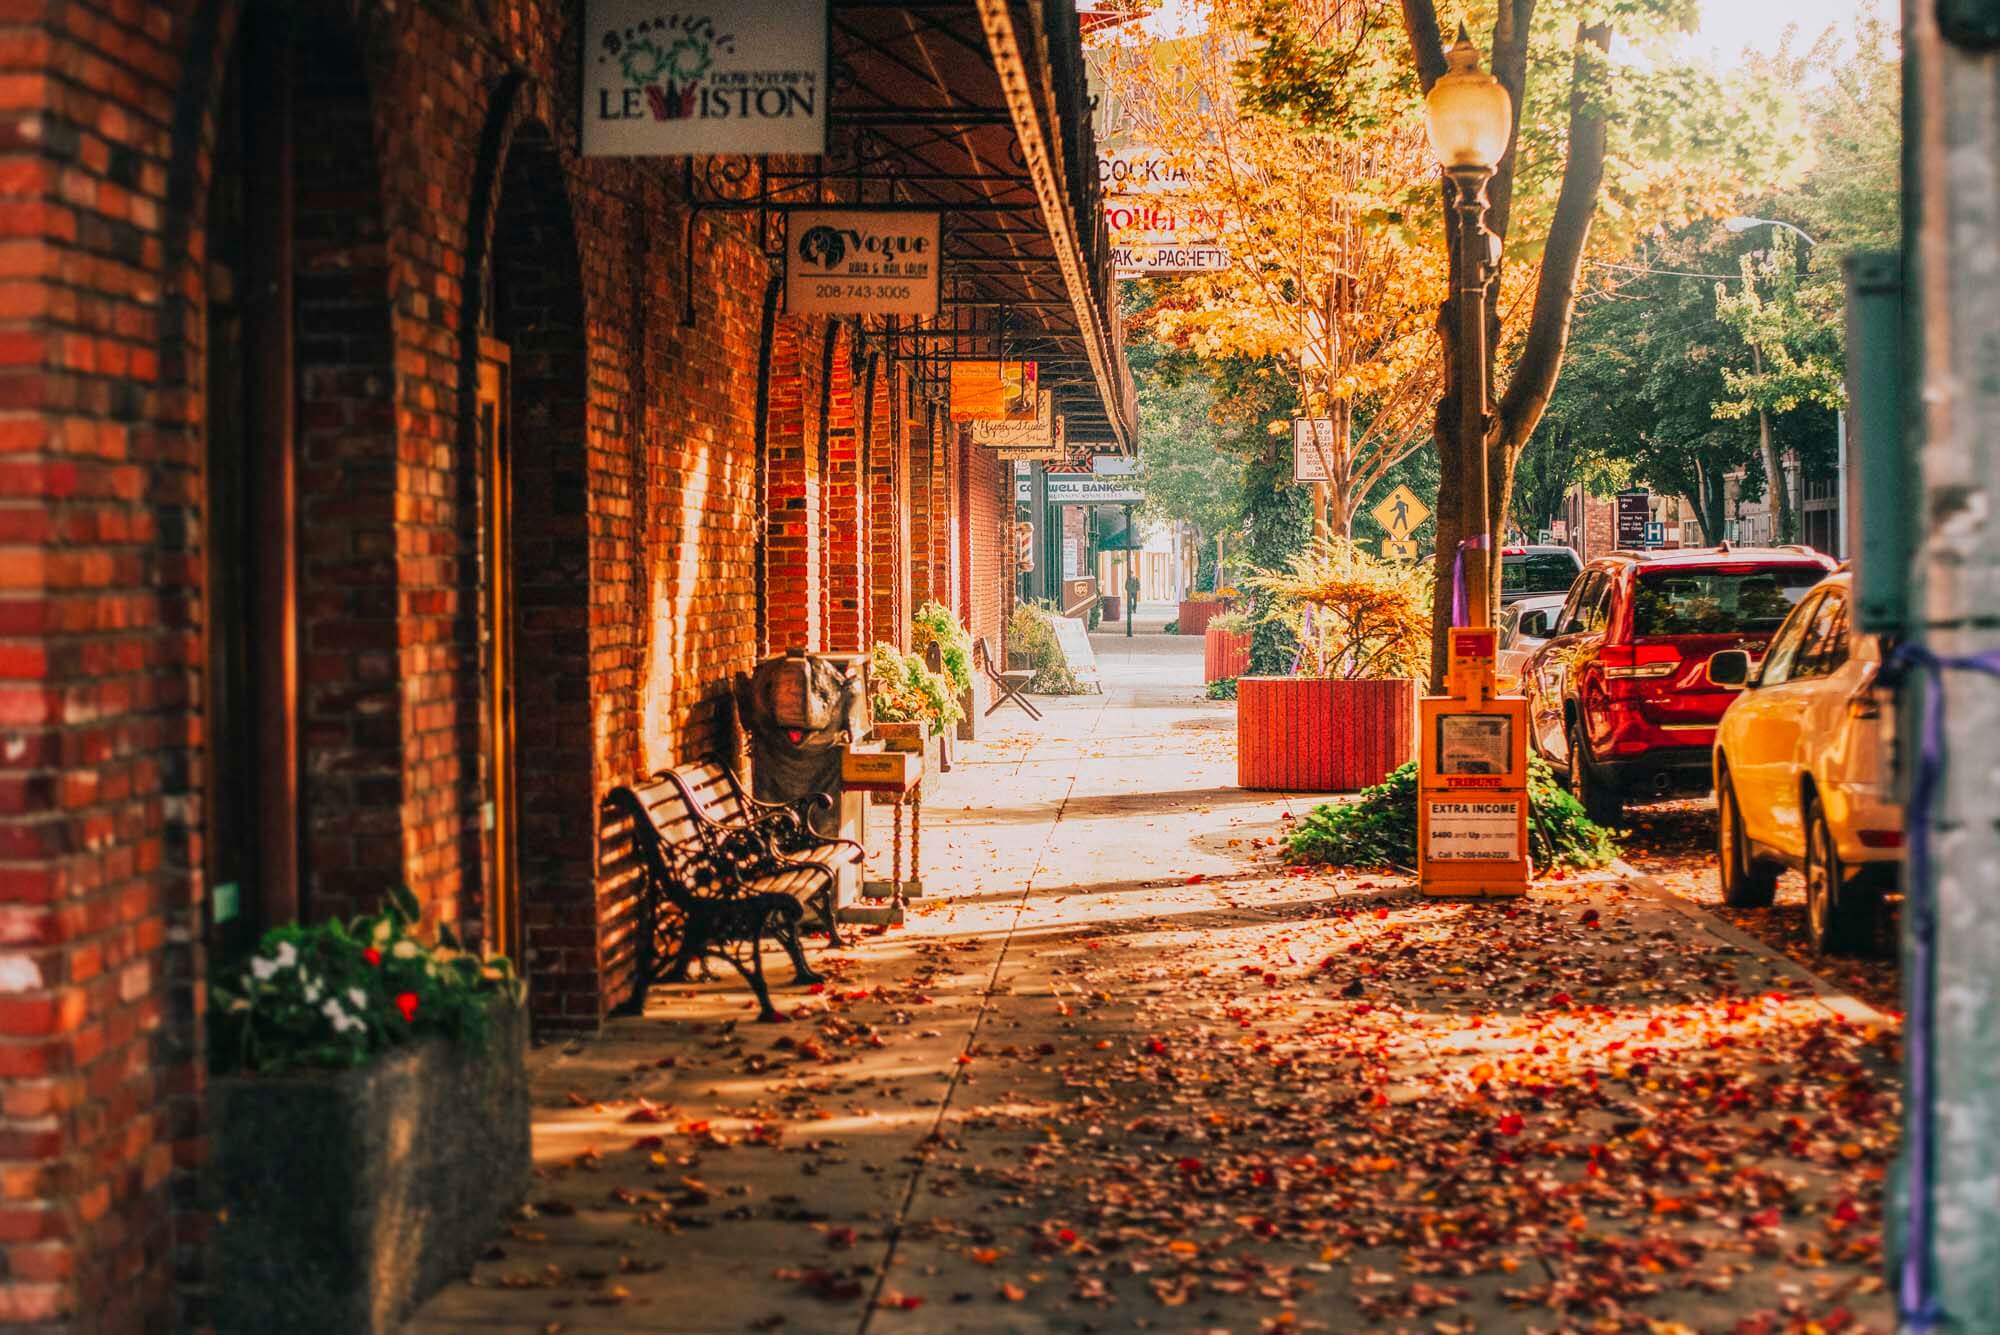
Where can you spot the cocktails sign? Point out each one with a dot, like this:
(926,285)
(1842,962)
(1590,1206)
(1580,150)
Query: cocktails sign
(725,77)
(858,262)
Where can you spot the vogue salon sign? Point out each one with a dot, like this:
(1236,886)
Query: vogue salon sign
(728,77)
(860,262)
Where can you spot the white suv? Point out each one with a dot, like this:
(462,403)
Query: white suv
(1802,771)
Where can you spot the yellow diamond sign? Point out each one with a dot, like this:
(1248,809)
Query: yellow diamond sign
(1401,513)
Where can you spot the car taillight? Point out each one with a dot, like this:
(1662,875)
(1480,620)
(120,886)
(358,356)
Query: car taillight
(1881,838)
(1627,662)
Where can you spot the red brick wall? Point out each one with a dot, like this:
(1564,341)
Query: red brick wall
(844,526)
(683,494)
(990,521)
(889,512)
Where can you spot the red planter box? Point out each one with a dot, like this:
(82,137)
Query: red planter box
(1224,654)
(1194,616)
(1321,735)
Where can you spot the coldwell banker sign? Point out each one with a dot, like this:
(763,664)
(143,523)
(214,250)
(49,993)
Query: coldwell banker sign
(732,77)
(854,262)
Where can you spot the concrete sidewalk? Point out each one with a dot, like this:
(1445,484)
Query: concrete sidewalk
(1127,1071)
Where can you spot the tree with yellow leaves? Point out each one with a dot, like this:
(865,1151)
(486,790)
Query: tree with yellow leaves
(1328,284)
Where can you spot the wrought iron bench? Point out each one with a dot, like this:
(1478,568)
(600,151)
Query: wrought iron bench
(786,827)
(715,888)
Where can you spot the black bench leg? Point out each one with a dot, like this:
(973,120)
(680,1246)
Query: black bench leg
(753,974)
(788,936)
(823,901)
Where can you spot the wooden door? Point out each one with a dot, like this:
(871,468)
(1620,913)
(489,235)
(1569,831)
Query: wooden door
(503,913)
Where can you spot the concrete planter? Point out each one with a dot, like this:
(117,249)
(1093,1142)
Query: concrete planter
(348,1197)
(1224,654)
(1195,615)
(1322,735)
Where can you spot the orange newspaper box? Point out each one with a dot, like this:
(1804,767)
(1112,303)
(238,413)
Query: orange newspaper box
(1472,779)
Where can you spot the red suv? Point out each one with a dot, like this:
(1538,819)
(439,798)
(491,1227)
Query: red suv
(1620,695)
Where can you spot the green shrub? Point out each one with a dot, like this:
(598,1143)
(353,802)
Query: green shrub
(1031,634)
(332,994)
(934,624)
(1379,827)
(1222,690)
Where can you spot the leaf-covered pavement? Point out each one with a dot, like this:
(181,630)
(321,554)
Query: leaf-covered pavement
(1131,1074)
(1279,1104)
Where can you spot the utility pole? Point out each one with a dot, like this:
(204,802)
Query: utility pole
(1951,263)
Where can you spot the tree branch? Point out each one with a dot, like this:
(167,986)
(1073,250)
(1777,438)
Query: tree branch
(1510,66)
(1420,23)
(1534,376)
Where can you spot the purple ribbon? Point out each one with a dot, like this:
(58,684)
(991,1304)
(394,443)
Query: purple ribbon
(1916,1296)
(1461,607)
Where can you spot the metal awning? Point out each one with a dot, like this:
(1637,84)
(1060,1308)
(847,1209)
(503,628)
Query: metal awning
(978,108)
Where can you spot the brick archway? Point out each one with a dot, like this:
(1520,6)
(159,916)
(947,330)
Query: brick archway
(531,303)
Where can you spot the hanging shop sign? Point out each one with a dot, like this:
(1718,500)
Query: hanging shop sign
(1312,448)
(1137,170)
(856,262)
(1136,261)
(1082,489)
(1115,465)
(1042,431)
(721,77)
(994,391)
(1144,223)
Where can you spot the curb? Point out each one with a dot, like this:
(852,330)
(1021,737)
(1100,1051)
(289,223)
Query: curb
(1836,999)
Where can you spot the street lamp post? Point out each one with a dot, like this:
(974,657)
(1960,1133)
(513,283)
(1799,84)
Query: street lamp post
(1470,118)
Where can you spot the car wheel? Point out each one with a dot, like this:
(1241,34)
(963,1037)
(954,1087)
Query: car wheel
(1840,914)
(1746,882)
(1601,800)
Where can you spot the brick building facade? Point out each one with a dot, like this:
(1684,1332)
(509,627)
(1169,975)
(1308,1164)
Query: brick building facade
(361,469)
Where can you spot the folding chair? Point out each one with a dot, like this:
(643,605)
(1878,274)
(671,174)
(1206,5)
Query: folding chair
(1010,683)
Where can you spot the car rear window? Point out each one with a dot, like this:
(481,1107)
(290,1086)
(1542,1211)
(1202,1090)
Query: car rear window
(1533,573)
(1715,602)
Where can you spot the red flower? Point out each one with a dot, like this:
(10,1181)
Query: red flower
(372,955)
(406,1002)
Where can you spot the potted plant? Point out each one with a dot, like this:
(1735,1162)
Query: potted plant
(1346,715)
(909,702)
(934,625)
(1225,649)
(369,1122)
(1199,607)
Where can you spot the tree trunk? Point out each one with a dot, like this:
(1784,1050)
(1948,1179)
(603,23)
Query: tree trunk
(1777,497)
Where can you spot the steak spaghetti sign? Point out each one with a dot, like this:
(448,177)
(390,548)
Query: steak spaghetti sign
(726,77)
(857,262)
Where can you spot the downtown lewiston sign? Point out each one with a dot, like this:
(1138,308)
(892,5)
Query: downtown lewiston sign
(728,77)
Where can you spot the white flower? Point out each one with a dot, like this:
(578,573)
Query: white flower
(358,997)
(342,1021)
(312,994)
(263,968)
(405,949)
(287,955)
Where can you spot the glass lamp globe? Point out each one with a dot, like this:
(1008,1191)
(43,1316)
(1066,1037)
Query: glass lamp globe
(1468,114)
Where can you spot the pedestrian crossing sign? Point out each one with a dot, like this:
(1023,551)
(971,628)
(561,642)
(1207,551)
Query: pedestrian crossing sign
(1401,513)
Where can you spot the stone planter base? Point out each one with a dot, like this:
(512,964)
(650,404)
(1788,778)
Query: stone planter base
(347,1198)
(1320,735)
(1195,614)
(1224,654)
